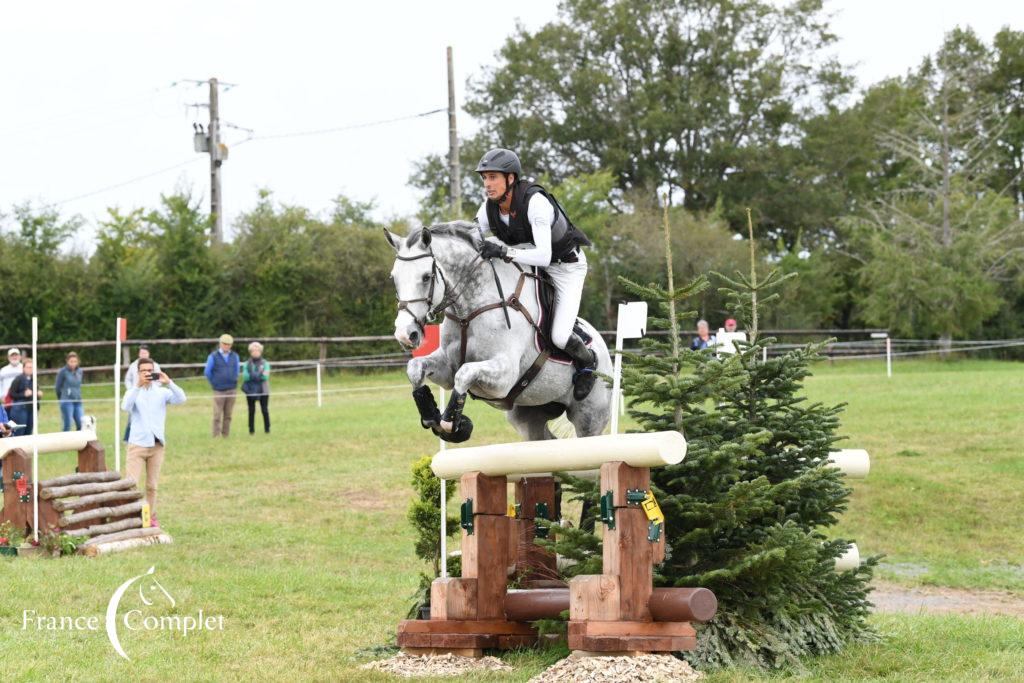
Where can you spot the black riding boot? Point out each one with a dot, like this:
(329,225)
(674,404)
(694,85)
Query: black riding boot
(585,361)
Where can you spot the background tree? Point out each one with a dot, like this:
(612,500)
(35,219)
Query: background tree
(676,94)
(937,245)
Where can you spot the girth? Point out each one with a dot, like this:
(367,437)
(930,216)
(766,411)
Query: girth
(514,301)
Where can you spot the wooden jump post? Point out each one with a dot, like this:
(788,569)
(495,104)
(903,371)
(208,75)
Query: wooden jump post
(616,611)
(106,509)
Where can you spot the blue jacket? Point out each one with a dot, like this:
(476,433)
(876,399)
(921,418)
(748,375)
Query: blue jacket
(69,384)
(222,375)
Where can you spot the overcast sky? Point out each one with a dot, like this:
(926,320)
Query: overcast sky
(88,101)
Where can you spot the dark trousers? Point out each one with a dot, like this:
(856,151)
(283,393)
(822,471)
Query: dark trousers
(22,414)
(263,401)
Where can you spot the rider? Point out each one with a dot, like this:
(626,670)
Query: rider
(518,212)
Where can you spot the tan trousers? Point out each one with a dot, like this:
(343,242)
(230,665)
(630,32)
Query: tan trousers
(151,459)
(223,404)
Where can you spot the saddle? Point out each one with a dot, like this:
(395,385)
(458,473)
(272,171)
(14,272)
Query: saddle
(546,303)
(546,351)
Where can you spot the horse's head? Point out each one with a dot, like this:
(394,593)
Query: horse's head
(422,275)
(416,286)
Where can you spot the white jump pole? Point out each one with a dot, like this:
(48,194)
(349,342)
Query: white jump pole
(35,429)
(117,395)
(319,388)
(444,513)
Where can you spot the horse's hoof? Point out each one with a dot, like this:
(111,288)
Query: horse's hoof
(446,426)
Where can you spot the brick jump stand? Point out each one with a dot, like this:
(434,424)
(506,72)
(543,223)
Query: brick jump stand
(617,611)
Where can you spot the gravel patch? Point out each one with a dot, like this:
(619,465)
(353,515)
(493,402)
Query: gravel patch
(611,669)
(412,666)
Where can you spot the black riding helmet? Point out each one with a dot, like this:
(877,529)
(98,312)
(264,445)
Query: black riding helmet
(500,160)
(503,161)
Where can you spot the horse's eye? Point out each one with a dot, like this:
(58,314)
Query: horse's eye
(426,279)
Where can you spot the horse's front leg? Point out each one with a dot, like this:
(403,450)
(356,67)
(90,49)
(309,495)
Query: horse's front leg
(436,367)
(494,377)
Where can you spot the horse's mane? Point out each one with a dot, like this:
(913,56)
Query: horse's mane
(464,230)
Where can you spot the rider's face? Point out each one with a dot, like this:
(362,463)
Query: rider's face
(495,184)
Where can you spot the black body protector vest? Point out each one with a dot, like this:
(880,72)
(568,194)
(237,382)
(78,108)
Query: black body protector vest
(565,237)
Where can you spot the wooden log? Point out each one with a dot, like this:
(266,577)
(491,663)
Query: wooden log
(86,489)
(122,535)
(102,513)
(128,544)
(101,529)
(80,478)
(683,604)
(531,605)
(109,497)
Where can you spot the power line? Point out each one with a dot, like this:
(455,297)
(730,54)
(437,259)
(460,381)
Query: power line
(338,129)
(126,182)
(276,136)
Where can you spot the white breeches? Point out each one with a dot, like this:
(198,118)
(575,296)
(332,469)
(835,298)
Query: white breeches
(568,281)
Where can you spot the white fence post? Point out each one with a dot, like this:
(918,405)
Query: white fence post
(444,514)
(35,429)
(631,324)
(888,357)
(117,396)
(319,388)
(888,350)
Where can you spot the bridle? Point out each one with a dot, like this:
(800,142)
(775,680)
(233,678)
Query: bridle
(448,299)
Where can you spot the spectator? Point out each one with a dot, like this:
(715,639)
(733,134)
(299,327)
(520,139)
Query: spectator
(9,372)
(146,405)
(256,386)
(23,394)
(69,393)
(704,338)
(131,377)
(730,325)
(222,367)
(5,428)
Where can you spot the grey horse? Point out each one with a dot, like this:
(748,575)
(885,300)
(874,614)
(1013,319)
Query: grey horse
(439,270)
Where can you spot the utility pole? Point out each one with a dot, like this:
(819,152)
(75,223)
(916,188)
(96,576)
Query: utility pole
(455,191)
(216,208)
(208,142)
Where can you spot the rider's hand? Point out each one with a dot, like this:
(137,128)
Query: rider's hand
(491,249)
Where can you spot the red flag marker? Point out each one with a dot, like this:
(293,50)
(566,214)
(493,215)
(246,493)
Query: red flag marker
(431,341)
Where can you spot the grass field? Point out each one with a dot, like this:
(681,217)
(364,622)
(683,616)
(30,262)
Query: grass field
(299,538)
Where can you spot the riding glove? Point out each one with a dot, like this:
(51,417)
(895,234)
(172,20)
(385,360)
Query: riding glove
(491,249)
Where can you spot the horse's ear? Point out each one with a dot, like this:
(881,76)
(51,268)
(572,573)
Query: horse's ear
(425,237)
(393,239)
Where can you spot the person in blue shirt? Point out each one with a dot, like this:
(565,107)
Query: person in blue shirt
(69,393)
(146,404)
(704,338)
(5,429)
(222,368)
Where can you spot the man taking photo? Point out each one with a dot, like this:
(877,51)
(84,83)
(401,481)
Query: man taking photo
(146,403)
